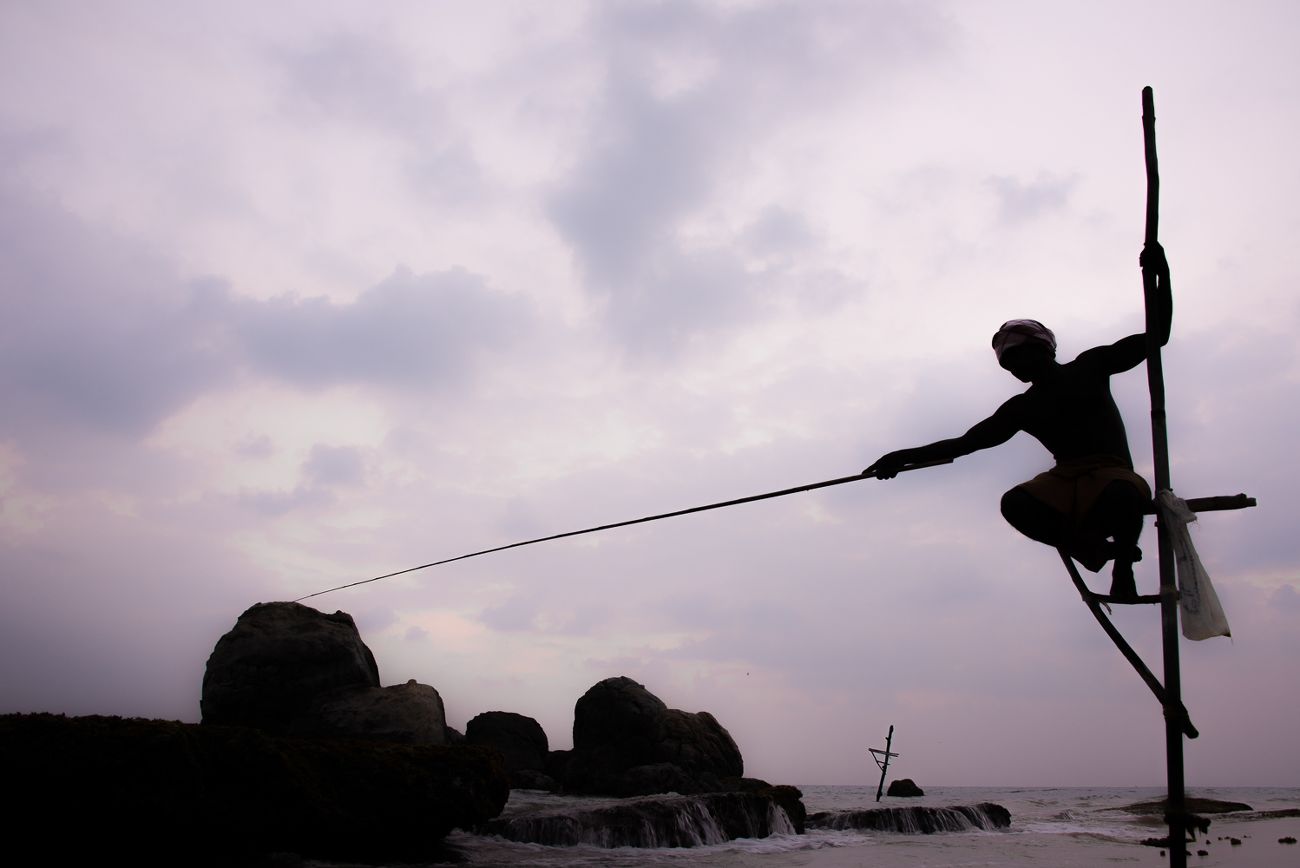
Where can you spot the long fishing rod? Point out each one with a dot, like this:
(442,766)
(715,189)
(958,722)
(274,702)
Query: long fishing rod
(753,497)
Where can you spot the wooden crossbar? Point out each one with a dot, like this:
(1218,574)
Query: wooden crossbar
(1215,503)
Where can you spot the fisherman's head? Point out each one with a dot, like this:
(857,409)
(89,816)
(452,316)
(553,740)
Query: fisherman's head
(1025,347)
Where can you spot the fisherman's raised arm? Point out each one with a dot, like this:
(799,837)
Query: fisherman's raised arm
(1127,353)
(993,431)
(1161,312)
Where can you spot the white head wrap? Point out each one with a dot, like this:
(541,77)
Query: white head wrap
(1015,332)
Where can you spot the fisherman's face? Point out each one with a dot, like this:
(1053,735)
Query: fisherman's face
(1027,361)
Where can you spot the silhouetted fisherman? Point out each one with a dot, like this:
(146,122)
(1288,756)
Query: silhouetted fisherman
(1091,504)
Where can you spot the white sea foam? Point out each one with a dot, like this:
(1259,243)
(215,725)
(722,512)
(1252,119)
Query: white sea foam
(1059,827)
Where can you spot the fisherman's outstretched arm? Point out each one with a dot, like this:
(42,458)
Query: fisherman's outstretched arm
(993,431)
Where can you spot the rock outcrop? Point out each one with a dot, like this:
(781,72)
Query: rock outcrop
(656,821)
(293,714)
(916,820)
(409,713)
(627,742)
(522,743)
(278,661)
(288,669)
(786,797)
(905,788)
(148,792)
(1159,807)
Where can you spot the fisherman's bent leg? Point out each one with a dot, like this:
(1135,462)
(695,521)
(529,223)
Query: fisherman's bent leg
(1119,513)
(1039,521)
(1034,518)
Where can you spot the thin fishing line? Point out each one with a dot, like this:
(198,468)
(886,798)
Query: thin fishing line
(750,499)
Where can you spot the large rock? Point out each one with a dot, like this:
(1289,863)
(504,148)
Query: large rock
(627,742)
(147,792)
(290,670)
(522,743)
(409,713)
(278,662)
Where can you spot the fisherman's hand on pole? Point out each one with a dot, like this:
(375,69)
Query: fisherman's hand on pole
(1153,256)
(889,465)
(893,463)
(1159,290)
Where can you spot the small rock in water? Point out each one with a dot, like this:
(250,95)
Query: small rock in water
(1287,840)
(904,788)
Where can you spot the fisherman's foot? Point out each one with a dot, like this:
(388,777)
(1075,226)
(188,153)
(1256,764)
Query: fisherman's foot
(1123,586)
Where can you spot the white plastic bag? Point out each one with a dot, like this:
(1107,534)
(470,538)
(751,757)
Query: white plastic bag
(1202,613)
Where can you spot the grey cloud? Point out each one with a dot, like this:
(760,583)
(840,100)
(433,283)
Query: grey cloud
(783,56)
(1285,599)
(1021,201)
(277,503)
(255,446)
(97,333)
(410,331)
(334,465)
(778,230)
(650,164)
(1234,410)
(680,297)
(654,158)
(511,616)
(325,469)
(416,634)
(100,335)
(655,164)
(354,81)
(353,78)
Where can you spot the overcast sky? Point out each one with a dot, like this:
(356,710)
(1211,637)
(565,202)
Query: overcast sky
(296,294)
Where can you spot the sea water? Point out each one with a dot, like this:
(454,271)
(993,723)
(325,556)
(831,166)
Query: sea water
(1059,827)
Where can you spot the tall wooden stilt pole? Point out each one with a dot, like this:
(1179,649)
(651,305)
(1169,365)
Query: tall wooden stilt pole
(1173,708)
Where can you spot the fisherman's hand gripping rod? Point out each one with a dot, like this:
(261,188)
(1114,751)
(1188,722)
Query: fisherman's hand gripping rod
(866,474)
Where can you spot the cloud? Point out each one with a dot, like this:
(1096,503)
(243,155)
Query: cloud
(99,333)
(1023,201)
(1285,600)
(418,332)
(334,466)
(326,469)
(684,113)
(113,339)
(279,503)
(255,446)
(648,163)
(349,79)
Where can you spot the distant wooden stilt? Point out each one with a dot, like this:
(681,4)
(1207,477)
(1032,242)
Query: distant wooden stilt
(882,758)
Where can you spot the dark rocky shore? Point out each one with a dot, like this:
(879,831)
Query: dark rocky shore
(154,792)
(302,751)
